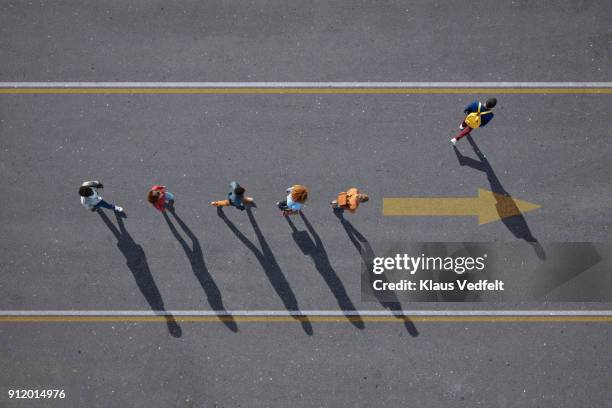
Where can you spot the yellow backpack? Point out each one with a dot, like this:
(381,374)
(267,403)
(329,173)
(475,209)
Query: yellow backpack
(473,119)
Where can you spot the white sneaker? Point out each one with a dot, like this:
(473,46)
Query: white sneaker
(118,209)
(461,126)
(454,141)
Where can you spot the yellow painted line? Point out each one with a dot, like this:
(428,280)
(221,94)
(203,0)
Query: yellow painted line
(299,91)
(312,319)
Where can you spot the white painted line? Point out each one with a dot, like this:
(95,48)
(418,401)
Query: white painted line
(306,313)
(585,85)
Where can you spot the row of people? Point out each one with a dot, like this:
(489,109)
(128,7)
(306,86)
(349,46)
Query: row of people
(161,198)
(477,115)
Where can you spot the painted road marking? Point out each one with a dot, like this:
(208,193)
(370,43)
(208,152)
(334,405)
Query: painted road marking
(305,84)
(488,206)
(309,318)
(305,87)
(318,316)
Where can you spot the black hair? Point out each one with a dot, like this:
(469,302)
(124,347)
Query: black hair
(490,103)
(85,191)
(239,190)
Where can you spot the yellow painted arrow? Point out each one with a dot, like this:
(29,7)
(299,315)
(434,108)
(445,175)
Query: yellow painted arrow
(488,206)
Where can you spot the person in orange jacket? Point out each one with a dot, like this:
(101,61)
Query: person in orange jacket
(160,197)
(349,200)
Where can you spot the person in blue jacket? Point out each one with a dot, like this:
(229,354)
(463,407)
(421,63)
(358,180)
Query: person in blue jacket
(293,204)
(476,115)
(236,198)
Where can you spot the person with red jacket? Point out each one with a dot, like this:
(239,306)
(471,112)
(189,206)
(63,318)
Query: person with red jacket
(160,197)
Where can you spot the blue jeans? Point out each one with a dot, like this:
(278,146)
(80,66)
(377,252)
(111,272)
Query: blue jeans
(104,204)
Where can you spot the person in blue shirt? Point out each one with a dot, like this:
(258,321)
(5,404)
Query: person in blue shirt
(296,197)
(478,109)
(236,198)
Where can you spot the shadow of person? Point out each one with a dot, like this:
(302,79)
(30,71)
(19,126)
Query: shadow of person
(317,252)
(268,262)
(196,259)
(516,224)
(367,255)
(136,261)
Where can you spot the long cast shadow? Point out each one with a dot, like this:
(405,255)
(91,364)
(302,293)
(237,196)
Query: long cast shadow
(196,259)
(516,224)
(367,255)
(317,252)
(136,261)
(268,262)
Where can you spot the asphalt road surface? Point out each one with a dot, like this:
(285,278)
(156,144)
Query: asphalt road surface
(552,150)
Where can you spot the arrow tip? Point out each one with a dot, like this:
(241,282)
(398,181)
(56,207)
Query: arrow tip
(493,206)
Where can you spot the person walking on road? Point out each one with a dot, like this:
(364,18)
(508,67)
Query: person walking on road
(235,198)
(160,197)
(349,200)
(92,200)
(477,115)
(297,196)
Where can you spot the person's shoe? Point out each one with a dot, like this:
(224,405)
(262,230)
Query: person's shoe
(454,141)
(461,126)
(118,209)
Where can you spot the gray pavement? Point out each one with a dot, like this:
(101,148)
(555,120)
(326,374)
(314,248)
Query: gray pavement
(533,365)
(58,252)
(552,150)
(292,41)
